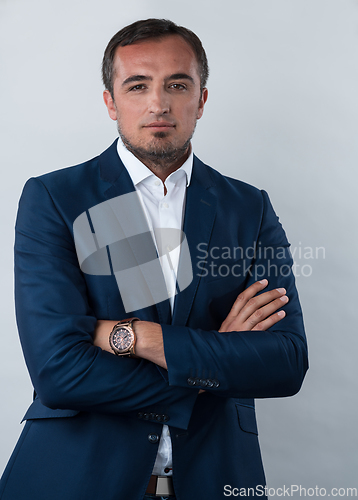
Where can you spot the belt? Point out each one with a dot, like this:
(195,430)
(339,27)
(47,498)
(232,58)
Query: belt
(160,486)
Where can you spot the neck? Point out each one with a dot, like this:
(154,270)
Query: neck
(163,167)
(161,161)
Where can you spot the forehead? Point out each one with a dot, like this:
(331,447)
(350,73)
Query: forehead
(159,56)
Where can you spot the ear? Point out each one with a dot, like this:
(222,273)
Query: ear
(203,99)
(111,106)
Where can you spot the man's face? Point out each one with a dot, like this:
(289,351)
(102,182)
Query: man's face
(157,98)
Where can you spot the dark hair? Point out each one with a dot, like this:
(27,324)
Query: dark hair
(144,30)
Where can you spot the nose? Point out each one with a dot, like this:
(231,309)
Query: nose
(159,103)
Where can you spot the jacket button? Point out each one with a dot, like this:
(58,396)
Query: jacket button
(153,438)
(140,414)
(209,383)
(191,381)
(203,382)
(216,383)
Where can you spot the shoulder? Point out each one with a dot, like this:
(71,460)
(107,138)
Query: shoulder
(228,188)
(71,190)
(79,185)
(67,177)
(237,199)
(104,167)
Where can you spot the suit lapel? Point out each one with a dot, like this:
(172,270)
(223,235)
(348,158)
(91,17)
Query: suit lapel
(114,173)
(200,211)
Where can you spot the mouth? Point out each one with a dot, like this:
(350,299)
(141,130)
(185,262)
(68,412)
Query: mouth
(160,126)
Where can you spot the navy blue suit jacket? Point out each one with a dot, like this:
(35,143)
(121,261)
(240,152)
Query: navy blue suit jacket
(92,431)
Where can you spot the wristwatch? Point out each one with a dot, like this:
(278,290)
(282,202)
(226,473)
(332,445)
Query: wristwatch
(122,338)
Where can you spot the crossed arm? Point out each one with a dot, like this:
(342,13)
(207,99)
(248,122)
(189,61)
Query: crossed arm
(56,323)
(249,312)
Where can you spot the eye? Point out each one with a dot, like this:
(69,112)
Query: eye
(140,86)
(177,86)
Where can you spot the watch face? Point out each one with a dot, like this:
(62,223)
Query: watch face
(122,339)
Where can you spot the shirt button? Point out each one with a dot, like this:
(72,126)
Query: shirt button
(167,470)
(165,205)
(153,438)
(157,183)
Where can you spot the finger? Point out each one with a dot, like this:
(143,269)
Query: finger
(265,312)
(256,306)
(270,321)
(245,296)
(257,317)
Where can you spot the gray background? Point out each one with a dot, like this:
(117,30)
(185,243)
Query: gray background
(282,114)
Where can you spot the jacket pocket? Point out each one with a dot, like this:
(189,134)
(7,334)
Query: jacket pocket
(247,418)
(38,410)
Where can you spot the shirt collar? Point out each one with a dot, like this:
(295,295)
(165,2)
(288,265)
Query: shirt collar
(139,172)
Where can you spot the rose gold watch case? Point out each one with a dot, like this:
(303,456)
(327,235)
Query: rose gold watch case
(122,338)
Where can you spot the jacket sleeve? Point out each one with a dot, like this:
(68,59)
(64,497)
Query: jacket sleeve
(56,325)
(249,364)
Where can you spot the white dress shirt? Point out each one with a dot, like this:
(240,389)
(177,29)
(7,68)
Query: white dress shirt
(162,211)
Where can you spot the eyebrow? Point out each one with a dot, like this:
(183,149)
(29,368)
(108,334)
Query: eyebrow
(141,78)
(181,76)
(136,78)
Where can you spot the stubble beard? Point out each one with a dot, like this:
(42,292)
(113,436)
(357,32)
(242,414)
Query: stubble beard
(160,155)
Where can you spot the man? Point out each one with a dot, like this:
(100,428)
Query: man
(161,405)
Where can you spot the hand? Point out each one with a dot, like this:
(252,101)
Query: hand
(255,312)
(101,334)
(149,343)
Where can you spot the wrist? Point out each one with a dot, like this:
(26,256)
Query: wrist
(122,339)
(142,338)
(149,343)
